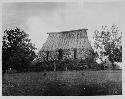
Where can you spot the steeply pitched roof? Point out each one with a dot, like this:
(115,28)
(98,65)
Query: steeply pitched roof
(67,40)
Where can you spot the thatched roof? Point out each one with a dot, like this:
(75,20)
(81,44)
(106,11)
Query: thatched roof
(67,40)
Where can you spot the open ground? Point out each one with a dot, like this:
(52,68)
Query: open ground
(63,83)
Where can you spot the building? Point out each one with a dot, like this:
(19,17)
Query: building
(72,44)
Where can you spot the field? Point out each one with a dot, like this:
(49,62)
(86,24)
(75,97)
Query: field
(63,83)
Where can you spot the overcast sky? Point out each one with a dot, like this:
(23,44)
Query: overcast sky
(37,19)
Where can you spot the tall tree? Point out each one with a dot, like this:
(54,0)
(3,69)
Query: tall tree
(107,42)
(17,51)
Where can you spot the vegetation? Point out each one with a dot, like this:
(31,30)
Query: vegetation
(107,42)
(64,65)
(63,83)
(17,51)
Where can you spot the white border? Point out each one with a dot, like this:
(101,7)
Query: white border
(67,97)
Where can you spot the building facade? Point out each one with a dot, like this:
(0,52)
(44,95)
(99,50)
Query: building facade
(72,44)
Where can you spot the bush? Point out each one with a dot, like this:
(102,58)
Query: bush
(61,65)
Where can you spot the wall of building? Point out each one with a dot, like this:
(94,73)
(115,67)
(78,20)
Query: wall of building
(67,54)
(67,41)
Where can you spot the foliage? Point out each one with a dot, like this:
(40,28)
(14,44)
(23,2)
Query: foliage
(17,51)
(107,42)
(69,83)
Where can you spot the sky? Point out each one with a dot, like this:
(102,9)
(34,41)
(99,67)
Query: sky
(39,18)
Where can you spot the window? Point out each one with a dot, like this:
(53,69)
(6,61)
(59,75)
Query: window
(75,53)
(47,55)
(60,54)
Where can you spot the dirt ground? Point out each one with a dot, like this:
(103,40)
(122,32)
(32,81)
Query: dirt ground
(63,83)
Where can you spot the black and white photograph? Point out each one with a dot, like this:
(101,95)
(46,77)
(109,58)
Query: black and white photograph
(62,48)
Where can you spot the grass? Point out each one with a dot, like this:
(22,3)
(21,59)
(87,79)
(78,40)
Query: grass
(63,83)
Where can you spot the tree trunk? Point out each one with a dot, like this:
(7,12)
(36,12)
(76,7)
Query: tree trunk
(66,68)
(112,65)
(54,66)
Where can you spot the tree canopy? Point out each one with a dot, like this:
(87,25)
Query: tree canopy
(107,42)
(17,50)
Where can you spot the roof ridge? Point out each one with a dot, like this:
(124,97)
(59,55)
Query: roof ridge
(65,31)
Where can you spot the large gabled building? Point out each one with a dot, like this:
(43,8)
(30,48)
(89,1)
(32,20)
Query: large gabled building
(72,44)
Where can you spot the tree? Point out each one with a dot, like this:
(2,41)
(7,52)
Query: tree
(17,51)
(107,42)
